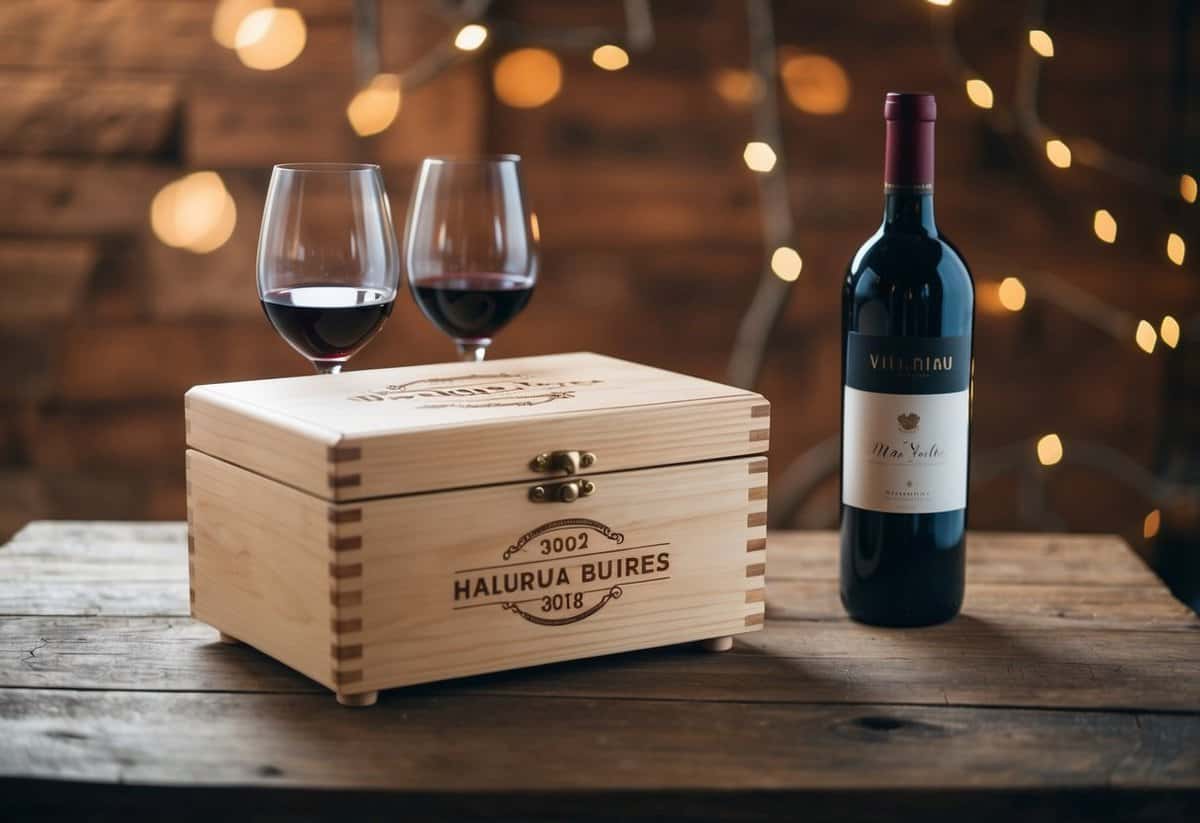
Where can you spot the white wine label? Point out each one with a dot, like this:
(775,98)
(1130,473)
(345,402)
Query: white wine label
(905,453)
(906,423)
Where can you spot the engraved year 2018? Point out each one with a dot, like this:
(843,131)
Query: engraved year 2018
(555,602)
(570,543)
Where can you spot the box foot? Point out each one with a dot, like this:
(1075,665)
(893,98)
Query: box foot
(360,699)
(717,644)
(228,638)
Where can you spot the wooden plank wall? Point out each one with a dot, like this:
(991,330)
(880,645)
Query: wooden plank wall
(650,221)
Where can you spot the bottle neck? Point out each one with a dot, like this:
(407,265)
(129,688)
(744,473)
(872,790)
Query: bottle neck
(909,209)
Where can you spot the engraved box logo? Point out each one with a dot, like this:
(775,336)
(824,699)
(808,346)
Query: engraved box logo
(562,572)
(477,391)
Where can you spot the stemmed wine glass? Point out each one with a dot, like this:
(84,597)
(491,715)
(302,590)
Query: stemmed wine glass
(328,266)
(471,247)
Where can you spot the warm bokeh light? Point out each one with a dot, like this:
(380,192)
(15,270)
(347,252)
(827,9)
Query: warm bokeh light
(737,86)
(229,15)
(1105,226)
(610,57)
(1041,42)
(759,157)
(786,263)
(270,38)
(1151,524)
(196,213)
(535,228)
(1176,249)
(939,2)
(1049,449)
(1145,336)
(814,83)
(1187,188)
(980,93)
(1011,292)
(375,107)
(470,37)
(1058,153)
(527,78)
(1168,330)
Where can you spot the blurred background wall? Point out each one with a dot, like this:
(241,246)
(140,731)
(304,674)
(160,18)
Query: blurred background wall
(650,219)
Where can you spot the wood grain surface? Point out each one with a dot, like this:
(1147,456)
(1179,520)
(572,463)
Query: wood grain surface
(1068,689)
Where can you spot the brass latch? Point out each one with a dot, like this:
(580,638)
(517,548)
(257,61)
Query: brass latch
(567,492)
(567,462)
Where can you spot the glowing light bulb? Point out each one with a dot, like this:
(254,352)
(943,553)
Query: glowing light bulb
(1058,153)
(940,2)
(1105,226)
(270,38)
(759,157)
(1145,336)
(1011,292)
(610,58)
(786,263)
(980,93)
(1049,449)
(535,228)
(737,86)
(375,107)
(196,213)
(229,15)
(814,83)
(1187,188)
(1168,330)
(1175,249)
(470,37)
(1041,42)
(1152,524)
(527,78)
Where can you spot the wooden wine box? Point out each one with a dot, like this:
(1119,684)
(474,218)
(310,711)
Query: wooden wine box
(382,528)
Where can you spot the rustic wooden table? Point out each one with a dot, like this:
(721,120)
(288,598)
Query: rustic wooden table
(1068,689)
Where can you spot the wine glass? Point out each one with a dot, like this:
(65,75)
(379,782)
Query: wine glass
(471,247)
(328,266)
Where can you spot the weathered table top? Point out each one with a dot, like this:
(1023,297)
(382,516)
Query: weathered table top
(1069,686)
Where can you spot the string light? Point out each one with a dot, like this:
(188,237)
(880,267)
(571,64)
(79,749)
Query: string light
(1105,226)
(980,93)
(759,157)
(1168,330)
(270,38)
(610,57)
(1058,153)
(1187,188)
(786,263)
(375,107)
(1041,42)
(1011,292)
(196,213)
(1151,524)
(229,15)
(1145,336)
(535,228)
(1049,449)
(814,83)
(527,78)
(470,37)
(1175,248)
(737,86)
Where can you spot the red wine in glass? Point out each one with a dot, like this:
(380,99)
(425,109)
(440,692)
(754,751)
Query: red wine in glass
(327,323)
(472,307)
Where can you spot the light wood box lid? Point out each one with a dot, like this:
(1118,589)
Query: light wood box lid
(415,429)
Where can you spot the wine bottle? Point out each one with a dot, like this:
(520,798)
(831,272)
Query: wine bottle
(908,307)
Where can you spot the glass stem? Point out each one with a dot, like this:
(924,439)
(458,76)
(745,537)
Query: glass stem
(472,351)
(328,368)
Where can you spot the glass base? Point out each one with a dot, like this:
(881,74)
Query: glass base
(472,351)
